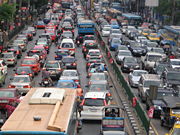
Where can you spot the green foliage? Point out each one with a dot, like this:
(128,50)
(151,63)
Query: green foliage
(7,11)
(164,7)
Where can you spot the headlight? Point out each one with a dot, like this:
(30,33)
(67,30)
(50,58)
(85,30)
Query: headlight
(157,107)
(137,66)
(125,65)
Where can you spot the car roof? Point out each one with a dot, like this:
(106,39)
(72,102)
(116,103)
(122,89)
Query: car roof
(94,50)
(67,40)
(21,76)
(95,94)
(98,82)
(65,81)
(150,77)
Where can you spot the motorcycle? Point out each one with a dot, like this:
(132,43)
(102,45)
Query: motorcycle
(46,83)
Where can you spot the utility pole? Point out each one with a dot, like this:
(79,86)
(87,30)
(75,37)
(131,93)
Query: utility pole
(173,11)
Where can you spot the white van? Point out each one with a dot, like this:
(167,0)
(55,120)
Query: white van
(93,104)
(68,44)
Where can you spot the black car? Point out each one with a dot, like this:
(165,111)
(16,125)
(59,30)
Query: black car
(171,77)
(69,62)
(24,70)
(129,64)
(87,46)
(137,49)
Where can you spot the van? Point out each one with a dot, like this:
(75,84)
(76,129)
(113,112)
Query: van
(68,44)
(145,82)
(92,105)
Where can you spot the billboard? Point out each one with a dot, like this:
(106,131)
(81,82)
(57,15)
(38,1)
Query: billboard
(152,3)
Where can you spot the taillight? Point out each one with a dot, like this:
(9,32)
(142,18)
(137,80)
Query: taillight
(41,57)
(55,56)
(74,64)
(11,86)
(88,56)
(79,86)
(100,56)
(76,80)
(17,52)
(85,50)
(83,47)
(89,74)
(11,60)
(30,74)
(88,64)
(46,47)
(109,94)
(26,86)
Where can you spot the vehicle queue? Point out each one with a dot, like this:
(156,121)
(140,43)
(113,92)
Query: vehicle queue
(58,29)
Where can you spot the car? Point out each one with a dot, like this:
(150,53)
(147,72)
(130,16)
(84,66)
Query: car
(174,63)
(134,77)
(67,34)
(21,43)
(89,38)
(146,32)
(122,47)
(129,64)
(119,56)
(149,45)
(10,58)
(97,77)
(24,70)
(129,29)
(93,52)
(114,43)
(114,35)
(46,35)
(67,44)
(44,42)
(52,33)
(114,24)
(87,45)
(33,63)
(159,67)
(159,50)
(16,49)
(21,82)
(137,49)
(93,59)
(154,37)
(29,34)
(70,75)
(54,68)
(32,29)
(106,31)
(140,38)
(69,62)
(3,66)
(40,25)
(93,104)
(60,53)
(22,37)
(96,67)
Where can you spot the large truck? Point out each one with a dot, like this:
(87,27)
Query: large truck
(44,111)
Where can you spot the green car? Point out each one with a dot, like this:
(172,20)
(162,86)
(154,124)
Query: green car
(2,78)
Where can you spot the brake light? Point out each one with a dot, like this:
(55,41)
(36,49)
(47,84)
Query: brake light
(89,74)
(79,86)
(11,86)
(88,64)
(100,56)
(17,52)
(46,47)
(26,86)
(93,98)
(88,56)
(11,60)
(41,57)
(85,50)
(109,94)
(83,47)
(30,74)
(55,56)
(74,64)
(76,80)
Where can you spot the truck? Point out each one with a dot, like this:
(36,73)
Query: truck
(148,61)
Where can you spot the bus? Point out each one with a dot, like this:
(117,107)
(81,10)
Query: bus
(171,33)
(132,19)
(113,14)
(44,111)
(86,27)
(66,4)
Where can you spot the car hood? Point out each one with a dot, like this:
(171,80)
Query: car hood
(69,78)
(135,78)
(20,84)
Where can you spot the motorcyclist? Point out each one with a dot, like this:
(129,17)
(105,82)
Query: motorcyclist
(46,75)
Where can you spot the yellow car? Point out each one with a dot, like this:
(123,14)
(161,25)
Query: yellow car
(175,130)
(154,37)
(146,32)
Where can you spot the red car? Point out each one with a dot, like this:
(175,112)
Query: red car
(40,25)
(33,63)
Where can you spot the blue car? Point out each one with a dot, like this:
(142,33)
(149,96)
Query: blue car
(60,53)
(114,25)
(114,43)
(66,84)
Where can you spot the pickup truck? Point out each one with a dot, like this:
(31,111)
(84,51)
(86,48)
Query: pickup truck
(148,61)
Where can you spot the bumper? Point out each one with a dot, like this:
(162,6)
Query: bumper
(91,116)
(23,90)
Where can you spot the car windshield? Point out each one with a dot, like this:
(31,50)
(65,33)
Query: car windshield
(148,83)
(33,52)
(7,55)
(158,50)
(152,44)
(124,53)
(176,131)
(154,36)
(94,53)
(21,79)
(89,38)
(65,84)
(93,102)
(6,94)
(18,41)
(52,65)
(175,63)
(173,76)
(107,29)
(116,41)
(98,77)
(116,31)
(29,62)
(160,67)
(69,73)
(154,58)
(139,73)
(130,60)
(22,70)
(68,60)
(97,87)
(67,45)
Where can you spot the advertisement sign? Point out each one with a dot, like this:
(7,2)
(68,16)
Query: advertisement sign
(151,112)
(152,3)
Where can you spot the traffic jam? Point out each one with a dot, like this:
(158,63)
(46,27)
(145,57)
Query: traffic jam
(62,49)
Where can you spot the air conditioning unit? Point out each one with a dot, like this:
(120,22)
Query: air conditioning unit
(47,96)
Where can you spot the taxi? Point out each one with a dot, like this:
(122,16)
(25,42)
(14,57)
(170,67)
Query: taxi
(154,37)
(146,32)
(33,63)
(175,130)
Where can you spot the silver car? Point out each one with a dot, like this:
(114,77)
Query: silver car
(22,82)
(135,76)
(9,58)
(70,75)
(121,54)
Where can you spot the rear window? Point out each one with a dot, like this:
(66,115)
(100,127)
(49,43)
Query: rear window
(94,102)
(8,94)
(65,85)
(33,52)
(67,45)
(68,60)
(29,62)
(52,65)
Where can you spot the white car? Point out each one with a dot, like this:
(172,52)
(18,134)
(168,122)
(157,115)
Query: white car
(106,31)
(121,54)
(93,52)
(70,75)
(68,44)
(175,63)
(92,105)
